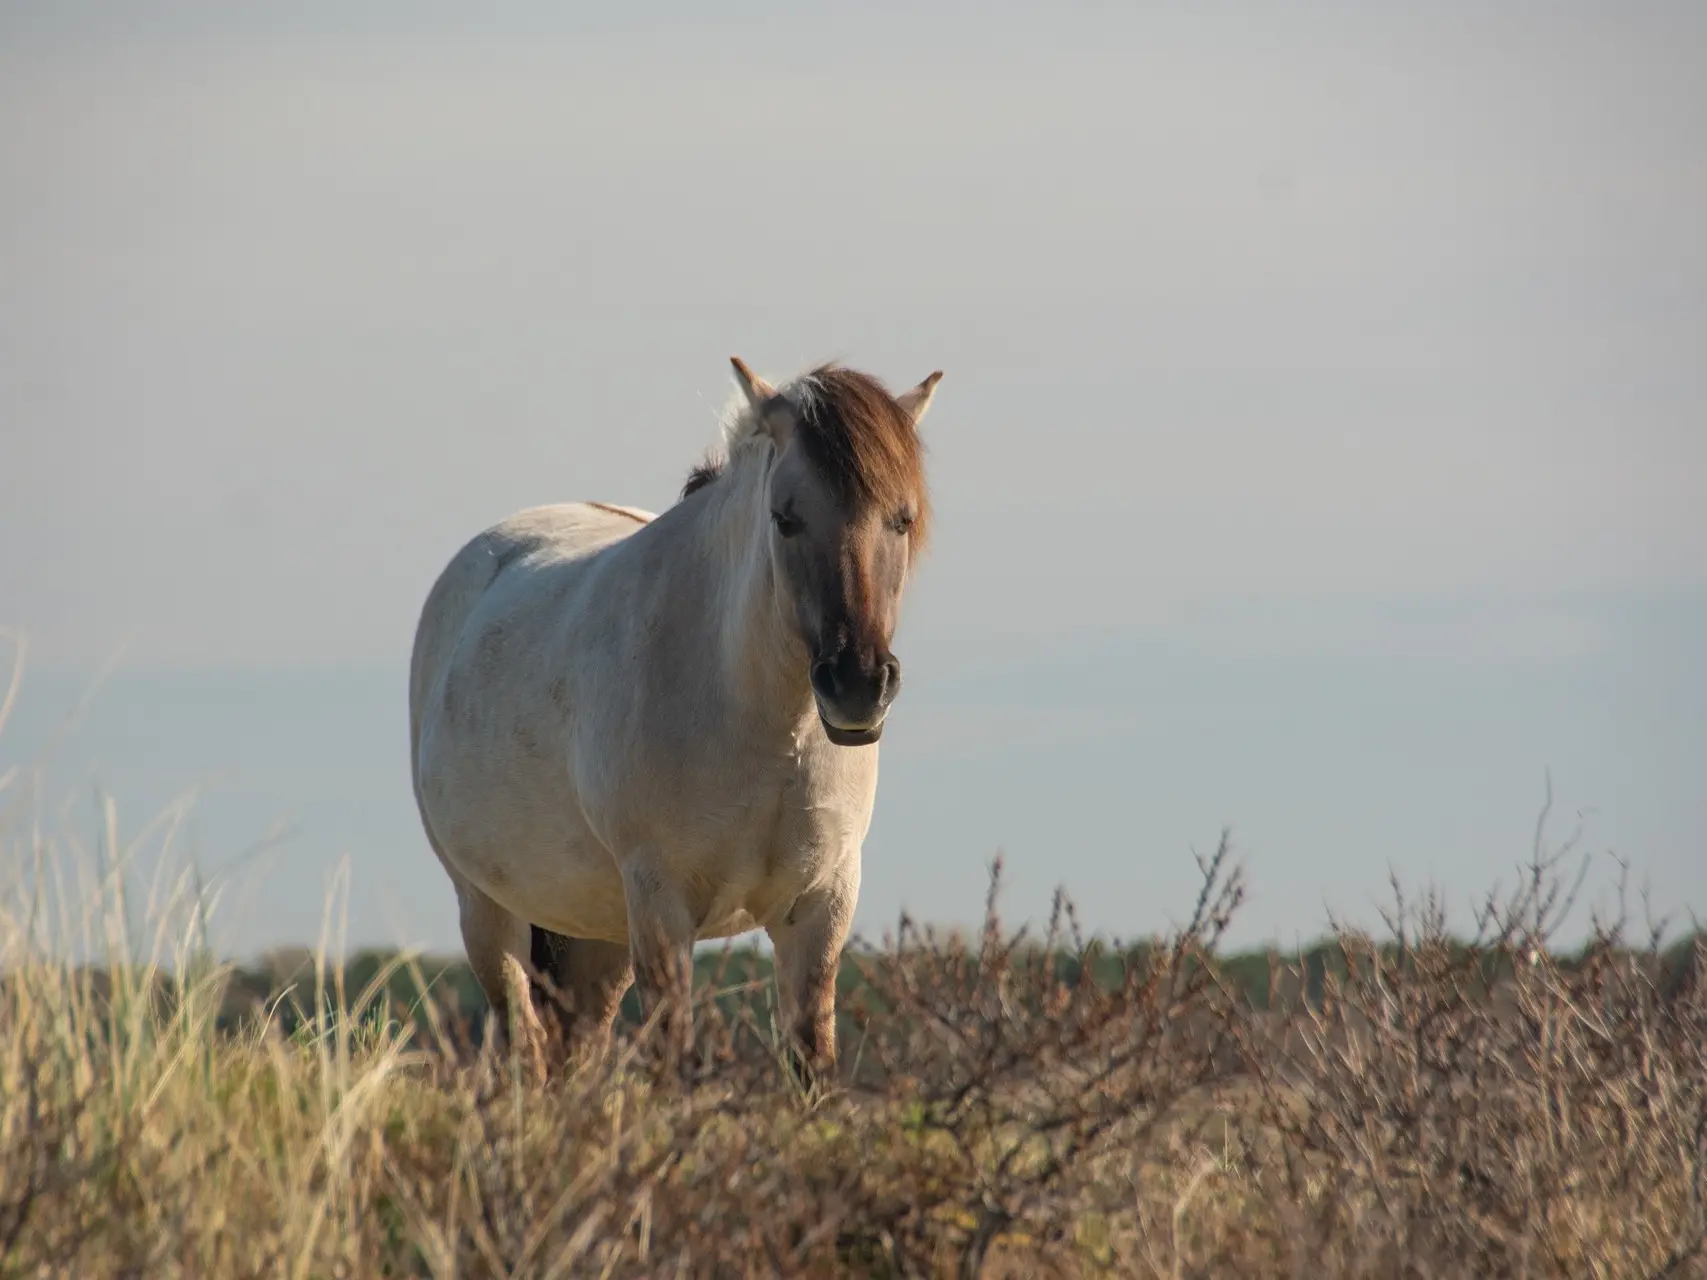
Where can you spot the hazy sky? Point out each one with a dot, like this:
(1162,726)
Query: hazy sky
(1316,379)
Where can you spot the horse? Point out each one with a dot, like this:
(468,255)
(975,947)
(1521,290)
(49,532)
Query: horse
(630,731)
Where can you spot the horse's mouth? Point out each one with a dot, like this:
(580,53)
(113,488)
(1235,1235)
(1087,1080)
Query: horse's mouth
(851,737)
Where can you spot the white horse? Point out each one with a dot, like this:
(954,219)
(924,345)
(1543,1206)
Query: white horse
(632,732)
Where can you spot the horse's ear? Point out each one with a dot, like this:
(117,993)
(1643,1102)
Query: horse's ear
(918,399)
(755,388)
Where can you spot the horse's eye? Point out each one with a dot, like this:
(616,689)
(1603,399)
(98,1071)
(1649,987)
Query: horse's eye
(786,524)
(903,522)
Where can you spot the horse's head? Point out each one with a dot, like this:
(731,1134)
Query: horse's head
(849,516)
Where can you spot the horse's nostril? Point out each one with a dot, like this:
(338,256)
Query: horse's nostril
(823,677)
(891,676)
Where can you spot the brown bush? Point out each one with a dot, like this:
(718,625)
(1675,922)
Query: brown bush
(1008,1106)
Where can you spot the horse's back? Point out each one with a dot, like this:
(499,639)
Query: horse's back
(565,531)
(538,536)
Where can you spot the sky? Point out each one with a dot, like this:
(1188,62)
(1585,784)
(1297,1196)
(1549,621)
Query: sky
(1320,452)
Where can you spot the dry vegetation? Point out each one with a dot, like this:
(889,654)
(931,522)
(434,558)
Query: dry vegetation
(1423,1107)
(1008,1106)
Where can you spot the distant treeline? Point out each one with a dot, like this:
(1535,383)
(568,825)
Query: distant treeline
(282,985)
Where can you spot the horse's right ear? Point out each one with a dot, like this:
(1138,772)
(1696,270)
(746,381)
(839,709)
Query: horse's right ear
(755,388)
(915,400)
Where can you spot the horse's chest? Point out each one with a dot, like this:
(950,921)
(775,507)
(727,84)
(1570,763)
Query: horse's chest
(804,837)
(790,836)
(743,828)
(784,819)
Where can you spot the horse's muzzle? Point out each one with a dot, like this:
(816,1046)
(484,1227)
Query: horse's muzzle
(853,692)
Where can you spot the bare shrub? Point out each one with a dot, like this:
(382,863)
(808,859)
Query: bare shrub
(1492,1107)
(1008,1106)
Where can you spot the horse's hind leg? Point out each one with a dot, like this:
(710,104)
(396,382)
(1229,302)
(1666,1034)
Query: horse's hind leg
(579,988)
(498,945)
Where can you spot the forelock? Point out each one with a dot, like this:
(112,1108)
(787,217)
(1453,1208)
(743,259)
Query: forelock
(853,432)
(860,440)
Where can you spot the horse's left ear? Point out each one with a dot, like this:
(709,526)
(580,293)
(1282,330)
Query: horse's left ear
(918,399)
(755,388)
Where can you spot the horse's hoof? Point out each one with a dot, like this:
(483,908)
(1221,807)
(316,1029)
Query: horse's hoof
(814,1079)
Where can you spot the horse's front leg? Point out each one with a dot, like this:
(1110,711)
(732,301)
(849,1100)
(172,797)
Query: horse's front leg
(661,930)
(808,943)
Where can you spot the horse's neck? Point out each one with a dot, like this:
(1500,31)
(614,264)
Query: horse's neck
(761,657)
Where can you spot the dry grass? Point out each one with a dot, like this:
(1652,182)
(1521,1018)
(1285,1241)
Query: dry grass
(1002,1113)
(1008,1107)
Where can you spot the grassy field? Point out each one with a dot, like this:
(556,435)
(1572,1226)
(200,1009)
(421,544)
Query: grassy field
(1414,1105)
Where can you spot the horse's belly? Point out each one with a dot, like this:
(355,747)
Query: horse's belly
(570,887)
(576,891)
(526,847)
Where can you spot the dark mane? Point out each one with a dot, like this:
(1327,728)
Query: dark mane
(702,474)
(862,442)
